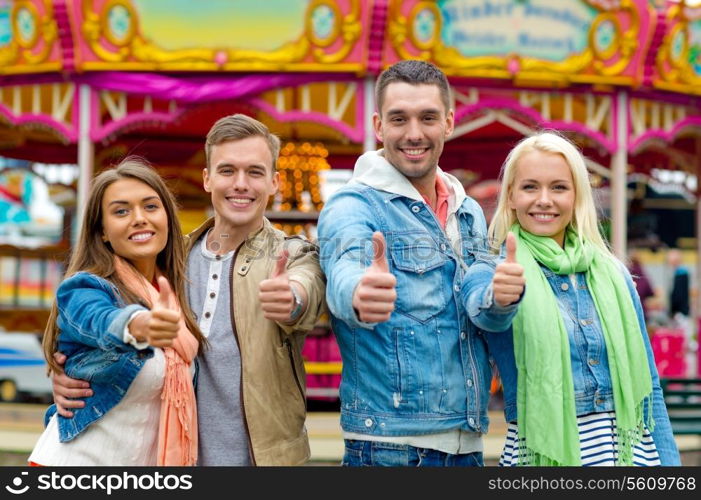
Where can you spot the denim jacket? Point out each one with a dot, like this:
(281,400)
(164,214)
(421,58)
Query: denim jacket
(425,370)
(91,320)
(589,360)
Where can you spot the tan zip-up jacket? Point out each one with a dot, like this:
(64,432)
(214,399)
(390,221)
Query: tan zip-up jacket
(273,381)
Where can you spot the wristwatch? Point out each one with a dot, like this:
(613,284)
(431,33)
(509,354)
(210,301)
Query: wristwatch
(297,310)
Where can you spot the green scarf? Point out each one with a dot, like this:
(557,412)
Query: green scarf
(547,419)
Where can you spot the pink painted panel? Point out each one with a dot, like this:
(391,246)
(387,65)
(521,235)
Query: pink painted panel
(247,35)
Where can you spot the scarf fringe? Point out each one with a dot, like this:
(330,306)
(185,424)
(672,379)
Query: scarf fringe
(175,387)
(528,457)
(629,438)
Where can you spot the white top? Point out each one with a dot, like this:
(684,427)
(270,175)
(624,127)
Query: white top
(125,435)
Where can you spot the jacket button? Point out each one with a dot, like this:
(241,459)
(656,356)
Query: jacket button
(462,335)
(212,295)
(593,362)
(456,288)
(471,421)
(469,382)
(415,209)
(207,315)
(368,422)
(565,286)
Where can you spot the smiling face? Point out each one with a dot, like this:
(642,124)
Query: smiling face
(543,194)
(413,125)
(135,223)
(241,180)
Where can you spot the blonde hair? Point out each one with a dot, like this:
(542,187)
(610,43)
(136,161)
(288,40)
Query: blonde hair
(584,219)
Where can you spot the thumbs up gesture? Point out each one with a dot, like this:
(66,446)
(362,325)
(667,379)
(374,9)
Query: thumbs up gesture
(508,281)
(159,326)
(275,294)
(375,295)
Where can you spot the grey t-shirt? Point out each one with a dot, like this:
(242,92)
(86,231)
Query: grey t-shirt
(223,437)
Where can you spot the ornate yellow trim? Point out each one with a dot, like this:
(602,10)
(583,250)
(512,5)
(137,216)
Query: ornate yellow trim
(626,41)
(148,55)
(350,32)
(611,51)
(415,11)
(680,29)
(105,27)
(309,24)
(675,73)
(16,8)
(18,48)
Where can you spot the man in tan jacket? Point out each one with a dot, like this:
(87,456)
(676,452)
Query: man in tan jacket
(255,293)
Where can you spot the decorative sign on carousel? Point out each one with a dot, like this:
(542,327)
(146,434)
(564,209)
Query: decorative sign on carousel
(548,41)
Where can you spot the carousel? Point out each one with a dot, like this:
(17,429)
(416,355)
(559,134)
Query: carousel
(90,81)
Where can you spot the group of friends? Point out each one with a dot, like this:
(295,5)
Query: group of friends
(186,350)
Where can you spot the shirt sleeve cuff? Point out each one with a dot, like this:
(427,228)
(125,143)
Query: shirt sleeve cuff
(488,302)
(128,338)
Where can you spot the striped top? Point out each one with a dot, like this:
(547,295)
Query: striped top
(598,443)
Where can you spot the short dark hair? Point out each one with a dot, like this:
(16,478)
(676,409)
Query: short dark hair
(415,73)
(236,127)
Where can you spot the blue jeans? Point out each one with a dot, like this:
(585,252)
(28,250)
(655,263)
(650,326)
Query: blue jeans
(377,454)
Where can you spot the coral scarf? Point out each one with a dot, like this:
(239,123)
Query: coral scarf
(177,433)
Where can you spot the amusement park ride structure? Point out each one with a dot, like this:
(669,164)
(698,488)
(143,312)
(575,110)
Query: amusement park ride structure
(89,81)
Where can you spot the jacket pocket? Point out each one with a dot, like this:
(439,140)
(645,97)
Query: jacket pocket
(417,371)
(424,275)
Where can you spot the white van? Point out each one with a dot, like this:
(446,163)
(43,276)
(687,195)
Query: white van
(22,368)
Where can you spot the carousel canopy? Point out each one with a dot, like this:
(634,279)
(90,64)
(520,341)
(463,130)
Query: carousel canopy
(157,73)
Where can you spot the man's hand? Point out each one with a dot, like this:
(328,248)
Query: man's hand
(275,294)
(160,325)
(67,390)
(375,294)
(508,281)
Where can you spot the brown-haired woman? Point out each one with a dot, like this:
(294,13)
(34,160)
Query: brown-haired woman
(121,317)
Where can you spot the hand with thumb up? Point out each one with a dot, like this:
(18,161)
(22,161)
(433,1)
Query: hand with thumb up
(508,281)
(159,326)
(375,294)
(277,298)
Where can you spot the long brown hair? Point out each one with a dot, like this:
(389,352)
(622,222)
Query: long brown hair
(93,255)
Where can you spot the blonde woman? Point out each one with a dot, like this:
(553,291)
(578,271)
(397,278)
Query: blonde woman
(581,387)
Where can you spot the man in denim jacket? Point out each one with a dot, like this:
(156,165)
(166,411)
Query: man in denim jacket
(416,375)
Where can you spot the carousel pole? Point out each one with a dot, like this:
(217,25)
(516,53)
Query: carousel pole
(86,154)
(618,178)
(369,143)
(696,303)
